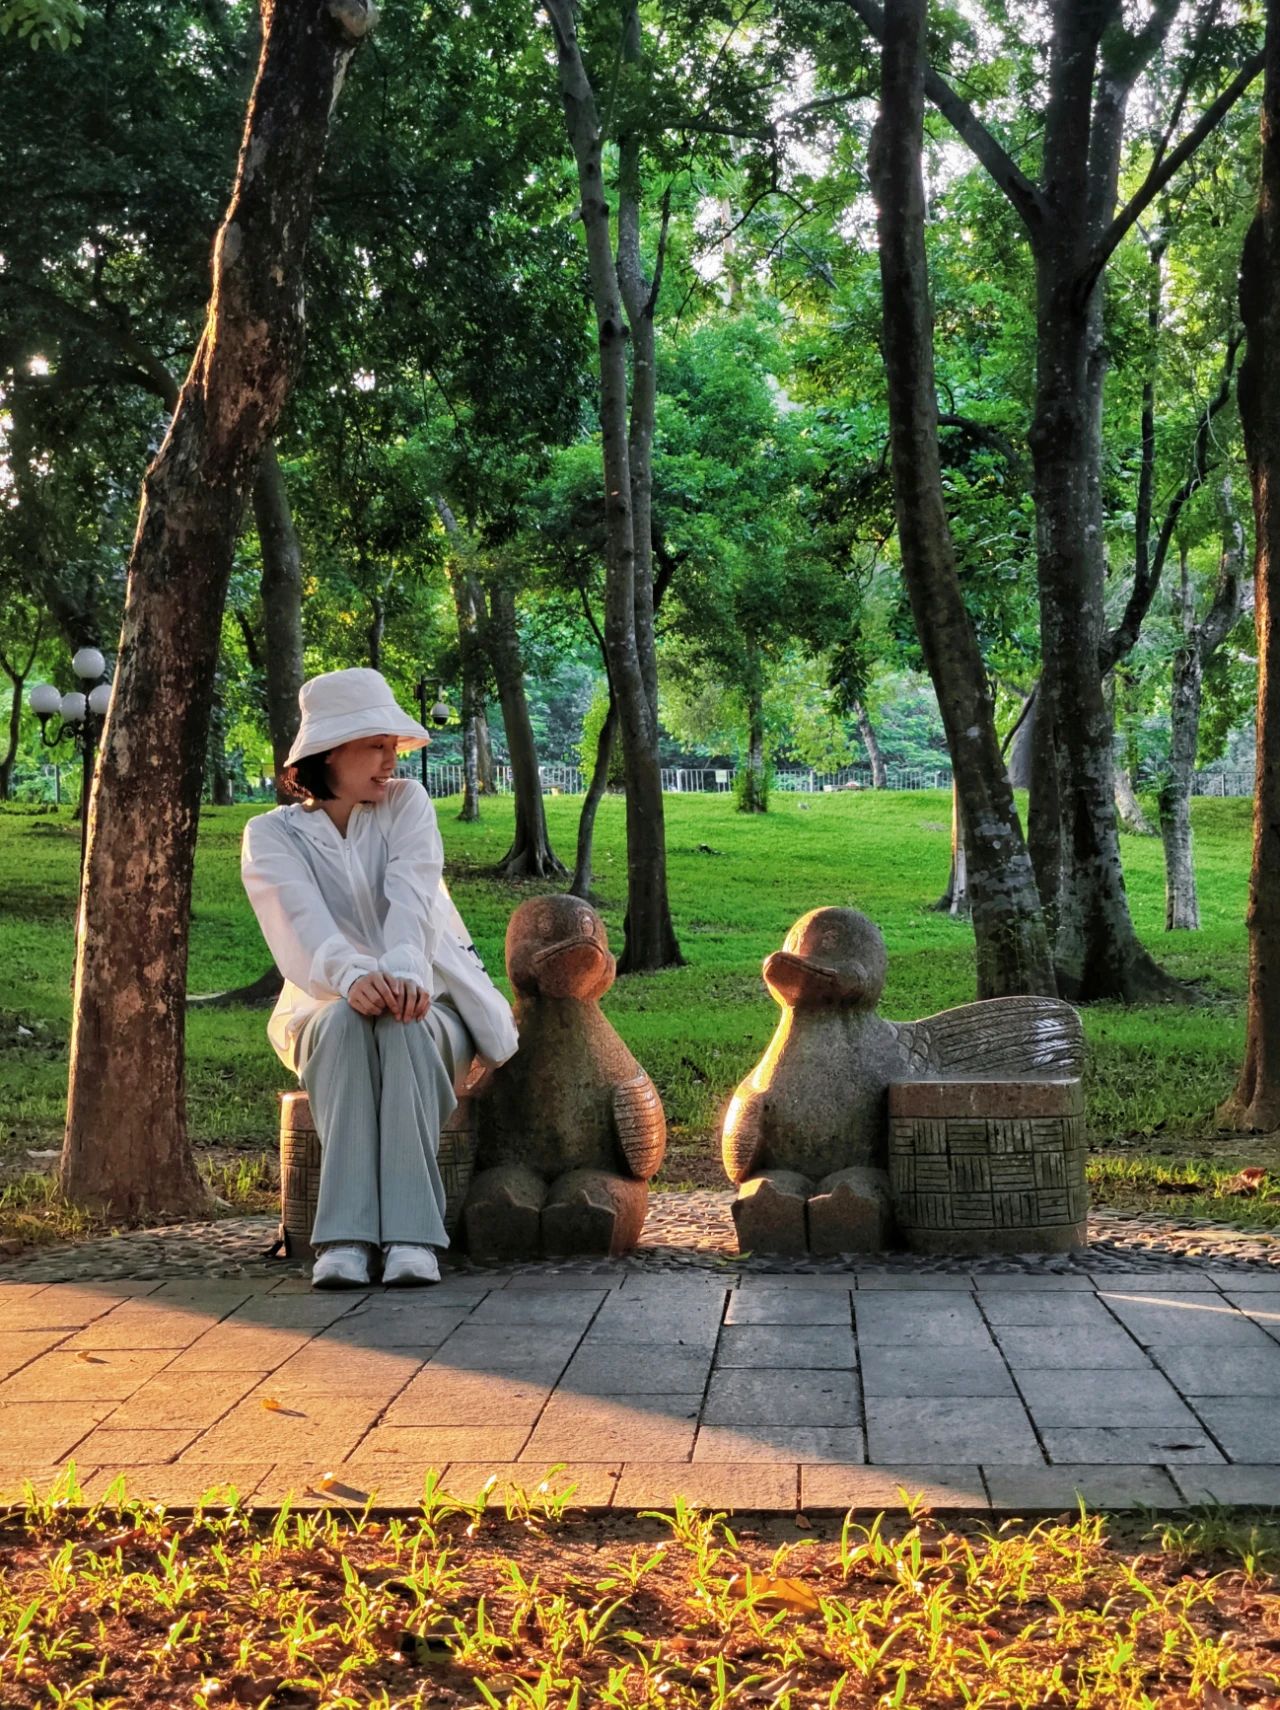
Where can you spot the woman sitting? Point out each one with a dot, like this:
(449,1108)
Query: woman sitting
(385,1002)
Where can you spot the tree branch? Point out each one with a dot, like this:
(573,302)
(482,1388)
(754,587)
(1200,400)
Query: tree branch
(1007,174)
(1161,173)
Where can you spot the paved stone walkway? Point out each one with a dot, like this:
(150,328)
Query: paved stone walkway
(982,1388)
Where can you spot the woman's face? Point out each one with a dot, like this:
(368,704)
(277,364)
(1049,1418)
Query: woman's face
(360,771)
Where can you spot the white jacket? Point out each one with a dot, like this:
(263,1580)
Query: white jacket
(335,908)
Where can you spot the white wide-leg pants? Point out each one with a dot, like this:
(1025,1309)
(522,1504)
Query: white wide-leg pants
(379,1091)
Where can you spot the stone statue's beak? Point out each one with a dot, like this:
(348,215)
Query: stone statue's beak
(797,979)
(570,967)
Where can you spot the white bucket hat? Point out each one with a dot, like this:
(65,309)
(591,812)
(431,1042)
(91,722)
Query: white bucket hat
(343,706)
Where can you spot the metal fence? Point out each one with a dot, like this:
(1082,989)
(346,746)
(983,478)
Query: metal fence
(56,783)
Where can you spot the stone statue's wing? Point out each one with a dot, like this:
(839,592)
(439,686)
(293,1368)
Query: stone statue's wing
(641,1125)
(1004,1038)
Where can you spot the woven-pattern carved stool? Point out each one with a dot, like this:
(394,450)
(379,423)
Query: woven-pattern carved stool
(300,1165)
(989,1166)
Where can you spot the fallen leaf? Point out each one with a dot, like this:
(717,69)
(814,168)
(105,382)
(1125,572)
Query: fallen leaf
(771,1691)
(271,1404)
(89,1359)
(1249,1181)
(769,1593)
(804,1523)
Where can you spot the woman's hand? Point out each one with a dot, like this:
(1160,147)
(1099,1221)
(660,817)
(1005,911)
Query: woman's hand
(414,1003)
(375,994)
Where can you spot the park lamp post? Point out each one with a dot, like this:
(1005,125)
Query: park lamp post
(439,715)
(80,715)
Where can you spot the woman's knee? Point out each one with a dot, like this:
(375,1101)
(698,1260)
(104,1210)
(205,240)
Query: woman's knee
(337,1021)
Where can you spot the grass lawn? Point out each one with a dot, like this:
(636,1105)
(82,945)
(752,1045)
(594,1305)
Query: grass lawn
(520,1604)
(737,883)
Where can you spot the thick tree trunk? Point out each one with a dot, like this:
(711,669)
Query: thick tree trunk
(867,731)
(126,1146)
(1255,1104)
(650,940)
(530,855)
(1181,904)
(468,606)
(281,607)
(15,735)
(581,886)
(754,796)
(1013,949)
(485,783)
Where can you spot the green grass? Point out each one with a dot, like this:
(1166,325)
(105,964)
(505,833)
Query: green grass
(514,1601)
(1155,1074)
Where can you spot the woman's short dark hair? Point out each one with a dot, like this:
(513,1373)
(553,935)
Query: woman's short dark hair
(308,778)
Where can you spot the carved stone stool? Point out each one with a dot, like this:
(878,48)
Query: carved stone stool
(989,1166)
(300,1164)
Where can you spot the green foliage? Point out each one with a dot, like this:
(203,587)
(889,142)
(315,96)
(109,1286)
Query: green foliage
(44,23)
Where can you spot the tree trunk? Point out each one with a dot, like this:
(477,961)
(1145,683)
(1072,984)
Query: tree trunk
(485,783)
(1013,950)
(281,607)
(126,1146)
(754,796)
(15,733)
(581,886)
(1129,808)
(376,630)
(1181,904)
(468,606)
(955,899)
(1255,1103)
(217,771)
(650,940)
(1019,746)
(530,855)
(867,731)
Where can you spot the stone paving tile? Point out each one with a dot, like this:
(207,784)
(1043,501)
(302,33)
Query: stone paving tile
(752,1396)
(475,1345)
(1059,1487)
(305,1427)
(1245,1282)
(1247,1427)
(931,1282)
(141,1325)
(695,1324)
(919,1429)
(1204,1370)
(455,1398)
(556,1281)
(570,1310)
(1262,1310)
(43,1480)
(246,1348)
(298,1311)
(195,1399)
(1239,1486)
(1018,1283)
(228,1291)
(943,1371)
(332,1368)
(22,1346)
(834,1283)
(1185,1318)
(437,1445)
(634,1428)
(591,1483)
(1168,1281)
(1107,1397)
(790,1306)
(767,1487)
(12,1292)
(177,1484)
(32,1433)
(838,1445)
(608,1368)
(59,1377)
(373,1328)
(782,1345)
(1136,1444)
(921,1321)
(65,1307)
(1030,1308)
(145,1447)
(1070,1347)
(352,1484)
(870,1489)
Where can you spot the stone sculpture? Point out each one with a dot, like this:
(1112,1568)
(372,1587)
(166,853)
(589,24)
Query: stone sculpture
(806,1135)
(571,1127)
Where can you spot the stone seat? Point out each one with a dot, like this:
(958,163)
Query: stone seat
(300,1163)
(989,1166)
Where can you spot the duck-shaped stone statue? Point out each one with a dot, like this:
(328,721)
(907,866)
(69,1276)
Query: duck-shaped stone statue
(571,1127)
(806,1134)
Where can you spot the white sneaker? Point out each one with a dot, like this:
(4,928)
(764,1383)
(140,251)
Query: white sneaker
(342,1264)
(407,1265)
